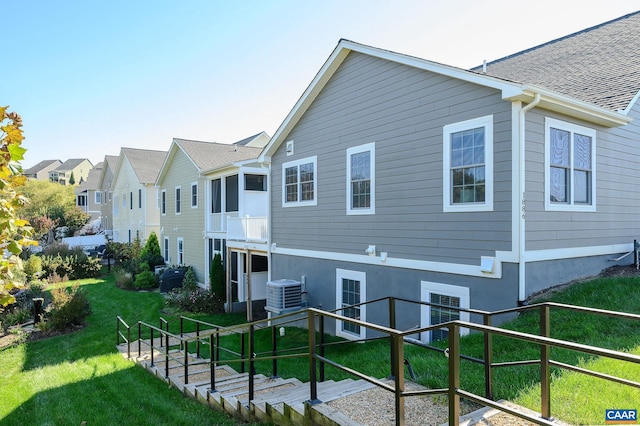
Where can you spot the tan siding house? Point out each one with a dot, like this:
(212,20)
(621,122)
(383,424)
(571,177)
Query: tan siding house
(135,210)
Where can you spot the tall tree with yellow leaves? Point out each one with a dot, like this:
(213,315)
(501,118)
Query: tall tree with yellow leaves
(15,233)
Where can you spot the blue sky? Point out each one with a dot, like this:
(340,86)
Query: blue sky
(90,77)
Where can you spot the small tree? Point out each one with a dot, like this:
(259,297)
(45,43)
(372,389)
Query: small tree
(72,179)
(151,251)
(216,277)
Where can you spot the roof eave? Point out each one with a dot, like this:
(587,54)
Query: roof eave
(571,107)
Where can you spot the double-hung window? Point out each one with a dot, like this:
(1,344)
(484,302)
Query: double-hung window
(299,182)
(98,197)
(361,179)
(570,166)
(468,165)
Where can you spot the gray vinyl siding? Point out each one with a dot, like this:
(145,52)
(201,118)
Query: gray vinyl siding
(617,177)
(403,110)
(320,276)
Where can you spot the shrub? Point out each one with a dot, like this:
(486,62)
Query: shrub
(76,265)
(33,267)
(145,279)
(123,278)
(217,278)
(198,301)
(68,307)
(189,282)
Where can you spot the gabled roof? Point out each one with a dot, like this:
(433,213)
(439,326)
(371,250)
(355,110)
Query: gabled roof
(146,163)
(510,90)
(207,156)
(41,166)
(599,65)
(110,162)
(93,180)
(71,164)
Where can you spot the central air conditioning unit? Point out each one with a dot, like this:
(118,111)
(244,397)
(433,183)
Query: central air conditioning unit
(284,295)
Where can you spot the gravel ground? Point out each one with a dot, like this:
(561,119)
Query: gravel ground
(376,407)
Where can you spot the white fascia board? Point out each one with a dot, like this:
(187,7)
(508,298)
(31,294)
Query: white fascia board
(220,170)
(420,265)
(571,107)
(314,88)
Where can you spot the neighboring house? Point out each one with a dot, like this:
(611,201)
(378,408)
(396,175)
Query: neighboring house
(88,194)
(106,179)
(135,208)
(41,170)
(202,196)
(76,167)
(397,176)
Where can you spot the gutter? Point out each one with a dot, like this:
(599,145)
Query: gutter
(522,199)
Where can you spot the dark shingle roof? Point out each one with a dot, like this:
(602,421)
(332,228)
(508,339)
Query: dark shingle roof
(599,65)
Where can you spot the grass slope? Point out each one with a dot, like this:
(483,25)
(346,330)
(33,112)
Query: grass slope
(65,380)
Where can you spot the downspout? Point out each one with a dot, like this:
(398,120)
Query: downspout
(522,201)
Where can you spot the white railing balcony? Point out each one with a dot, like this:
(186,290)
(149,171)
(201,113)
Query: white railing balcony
(218,221)
(247,229)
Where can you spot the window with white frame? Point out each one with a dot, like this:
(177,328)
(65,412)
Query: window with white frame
(570,166)
(299,182)
(194,194)
(163,202)
(166,250)
(444,304)
(180,251)
(178,206)
(351,290)
(468,165)
(139,198)
(361,179)
(98,197)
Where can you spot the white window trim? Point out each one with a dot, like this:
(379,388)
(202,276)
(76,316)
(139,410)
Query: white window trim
(297,163)
(371,148)
(573,128)
(447,205)
(163,208)
(97,195)
(428,287)
(194,184)
(357,276)
(180,243)
(166,254)
(176,204)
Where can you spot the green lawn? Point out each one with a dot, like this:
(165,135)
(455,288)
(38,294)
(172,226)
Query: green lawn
(68,379)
